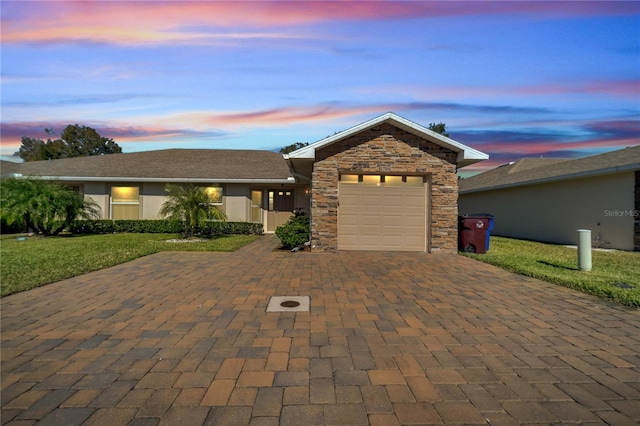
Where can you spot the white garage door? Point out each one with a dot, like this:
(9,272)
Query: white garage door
(382,213)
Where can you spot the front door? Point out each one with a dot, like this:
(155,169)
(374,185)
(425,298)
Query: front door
(279,207)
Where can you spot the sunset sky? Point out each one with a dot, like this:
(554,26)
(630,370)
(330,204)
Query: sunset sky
(512,79)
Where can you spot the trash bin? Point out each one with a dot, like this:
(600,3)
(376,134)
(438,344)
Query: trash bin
(474,232)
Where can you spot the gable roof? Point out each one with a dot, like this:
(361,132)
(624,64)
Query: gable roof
(466,155)
(529,171)
(170,165)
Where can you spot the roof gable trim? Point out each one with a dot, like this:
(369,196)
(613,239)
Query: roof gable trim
(466,155)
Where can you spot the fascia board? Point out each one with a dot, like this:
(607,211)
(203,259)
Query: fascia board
(464,152)
(290,179)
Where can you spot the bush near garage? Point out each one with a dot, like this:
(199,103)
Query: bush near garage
(295,232)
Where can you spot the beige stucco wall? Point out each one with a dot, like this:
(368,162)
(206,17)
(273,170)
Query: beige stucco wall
(151,199)
(553,212)
(236,199)
(237,202)
(97,192)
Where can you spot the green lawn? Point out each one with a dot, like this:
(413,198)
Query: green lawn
(39,261)
(559,265)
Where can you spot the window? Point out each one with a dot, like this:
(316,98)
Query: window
(256,206)
(380,180)
(393,181)
(215,194)
(125,202)
(371,180)
(415,181)
(349,178)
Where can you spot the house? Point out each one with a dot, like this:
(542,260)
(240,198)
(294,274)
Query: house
(8,168)
(549,199)
(386,184)
(247,185)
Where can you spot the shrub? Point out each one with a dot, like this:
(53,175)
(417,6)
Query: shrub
(231,228)
(162,227)
(295,232)
(191,206)
(43,206)
(14,228)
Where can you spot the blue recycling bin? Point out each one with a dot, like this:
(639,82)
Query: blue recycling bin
(489,228)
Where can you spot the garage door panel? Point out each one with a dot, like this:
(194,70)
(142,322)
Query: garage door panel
(349,221)
(369,222)
(413,203)
(370,201)
(393,222)
(349,242)
(365,230)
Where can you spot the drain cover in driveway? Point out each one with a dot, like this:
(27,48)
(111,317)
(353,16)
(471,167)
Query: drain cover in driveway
(288,304)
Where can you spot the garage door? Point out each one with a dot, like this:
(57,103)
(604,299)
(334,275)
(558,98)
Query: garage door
(379,212)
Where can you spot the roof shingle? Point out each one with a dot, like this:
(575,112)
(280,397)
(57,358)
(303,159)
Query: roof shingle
(529,171)
(172,164)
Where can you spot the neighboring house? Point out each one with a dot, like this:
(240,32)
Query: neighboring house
(550,199)
(387,184)
(8,168)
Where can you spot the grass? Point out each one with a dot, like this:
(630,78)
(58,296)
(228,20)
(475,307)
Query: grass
(38,261)
(559,265)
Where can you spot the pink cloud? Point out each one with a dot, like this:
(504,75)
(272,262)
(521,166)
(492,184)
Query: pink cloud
(12,133)
(183,21)
(281,116)
(544,147)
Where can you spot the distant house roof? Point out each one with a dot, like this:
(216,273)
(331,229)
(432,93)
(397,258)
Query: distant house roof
(179,165)
(466,155)
(8,168)
(529,171)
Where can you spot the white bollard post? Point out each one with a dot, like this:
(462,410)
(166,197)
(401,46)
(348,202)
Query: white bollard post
(584,249)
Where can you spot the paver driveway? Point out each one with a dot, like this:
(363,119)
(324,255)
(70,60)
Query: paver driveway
(391,338)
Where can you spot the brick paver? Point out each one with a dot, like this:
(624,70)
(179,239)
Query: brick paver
(391,338)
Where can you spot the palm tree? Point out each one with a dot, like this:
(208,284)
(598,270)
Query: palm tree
(45,207)
(191,205)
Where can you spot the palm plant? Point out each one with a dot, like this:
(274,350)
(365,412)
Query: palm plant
(190,205)
(44,207)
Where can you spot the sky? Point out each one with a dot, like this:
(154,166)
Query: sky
(512,79)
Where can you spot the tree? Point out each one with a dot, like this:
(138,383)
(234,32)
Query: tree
(44,207)
(75,141)
(439,128)
(191,205)
(290,148)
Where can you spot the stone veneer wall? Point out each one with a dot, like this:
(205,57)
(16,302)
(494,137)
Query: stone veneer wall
(385,149)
